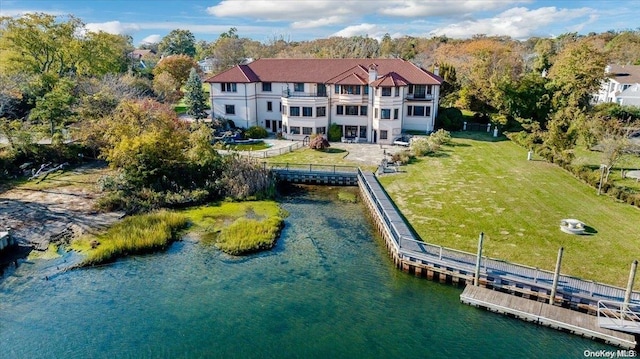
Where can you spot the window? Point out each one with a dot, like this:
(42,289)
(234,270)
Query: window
(385,113)
(395,113)
(294,111)
(351,110)
(307,111)
(363,132)
(366,90)
(397,91)
(339,110)
(229,87)
(321,130)
(363,110)
(307,130)
(294,130)
(351,131)
(298,87)
(386,91)
(350,90)
(269,106)
(322,90)
(419,91)
(280,126)
(230,109)
(336,89)
(419,111)
(321,111)
(267,124)
(266,87)
(383,134)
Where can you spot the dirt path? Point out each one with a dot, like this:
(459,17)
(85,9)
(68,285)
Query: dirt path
(62,204)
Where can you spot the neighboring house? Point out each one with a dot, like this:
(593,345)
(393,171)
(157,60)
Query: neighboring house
(140,57)
(620,79)
(630,96)
(372,100)
(208,65)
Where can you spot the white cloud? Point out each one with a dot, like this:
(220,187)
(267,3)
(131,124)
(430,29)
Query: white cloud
(409,8)
(285,10)
(20,12)
(372,30)
(519,23)
(151,39)
(326,21)
(113,27)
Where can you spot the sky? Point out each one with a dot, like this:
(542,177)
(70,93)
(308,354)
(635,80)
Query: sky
(298,20)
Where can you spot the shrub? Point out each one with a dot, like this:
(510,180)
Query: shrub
(243,178)
(256,132)
(421,146)
(450,118)
(440,137)
(318,142)
(335,133)
(403,157)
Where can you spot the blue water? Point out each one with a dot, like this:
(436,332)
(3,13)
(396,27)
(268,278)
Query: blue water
(327,289)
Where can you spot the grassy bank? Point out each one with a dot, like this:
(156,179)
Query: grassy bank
(480,184)
(238,227)
(137,234)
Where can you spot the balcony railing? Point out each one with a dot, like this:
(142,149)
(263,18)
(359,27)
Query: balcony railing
(421,97)
(289,93)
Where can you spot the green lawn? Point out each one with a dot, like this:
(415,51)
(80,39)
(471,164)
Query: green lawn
(485,185)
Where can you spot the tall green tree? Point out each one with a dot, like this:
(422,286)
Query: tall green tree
(194,96)
(178,42)
(55,108)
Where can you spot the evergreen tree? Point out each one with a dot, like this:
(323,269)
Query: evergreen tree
(194,96)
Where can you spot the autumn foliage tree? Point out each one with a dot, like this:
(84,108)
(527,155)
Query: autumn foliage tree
(178,66)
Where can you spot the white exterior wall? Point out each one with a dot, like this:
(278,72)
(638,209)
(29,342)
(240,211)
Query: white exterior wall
(630,97)
(251,108)
(244,100)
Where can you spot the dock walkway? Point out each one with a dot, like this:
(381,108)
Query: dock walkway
(544,314)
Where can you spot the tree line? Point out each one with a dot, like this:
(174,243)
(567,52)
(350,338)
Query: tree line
(59,81)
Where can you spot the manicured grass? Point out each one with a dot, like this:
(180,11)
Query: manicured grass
(238,227)
(331,156)
(252,147)
(136,234)
(483,184)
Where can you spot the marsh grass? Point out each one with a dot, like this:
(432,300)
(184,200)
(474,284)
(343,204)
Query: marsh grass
(238,227)
(346,196)
(136,234)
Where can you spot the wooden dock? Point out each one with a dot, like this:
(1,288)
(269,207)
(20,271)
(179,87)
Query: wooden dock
(545,314)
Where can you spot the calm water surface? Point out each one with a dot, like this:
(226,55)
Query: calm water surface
(327,290)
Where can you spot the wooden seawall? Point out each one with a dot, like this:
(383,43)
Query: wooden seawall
(315,174)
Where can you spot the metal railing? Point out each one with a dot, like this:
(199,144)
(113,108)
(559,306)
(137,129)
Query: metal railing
(617,315)
(310,167)
(272,152)
(289,93)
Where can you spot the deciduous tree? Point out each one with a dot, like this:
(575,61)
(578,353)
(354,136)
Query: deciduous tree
(178,42)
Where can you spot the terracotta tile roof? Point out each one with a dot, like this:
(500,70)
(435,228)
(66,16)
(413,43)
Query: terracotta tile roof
(391,79)
(626,74)
(328,71)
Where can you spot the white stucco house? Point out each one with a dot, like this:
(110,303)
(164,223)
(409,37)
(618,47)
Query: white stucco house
(372,100)
(621,85)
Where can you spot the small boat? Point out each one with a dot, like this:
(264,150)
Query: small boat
(572,226)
